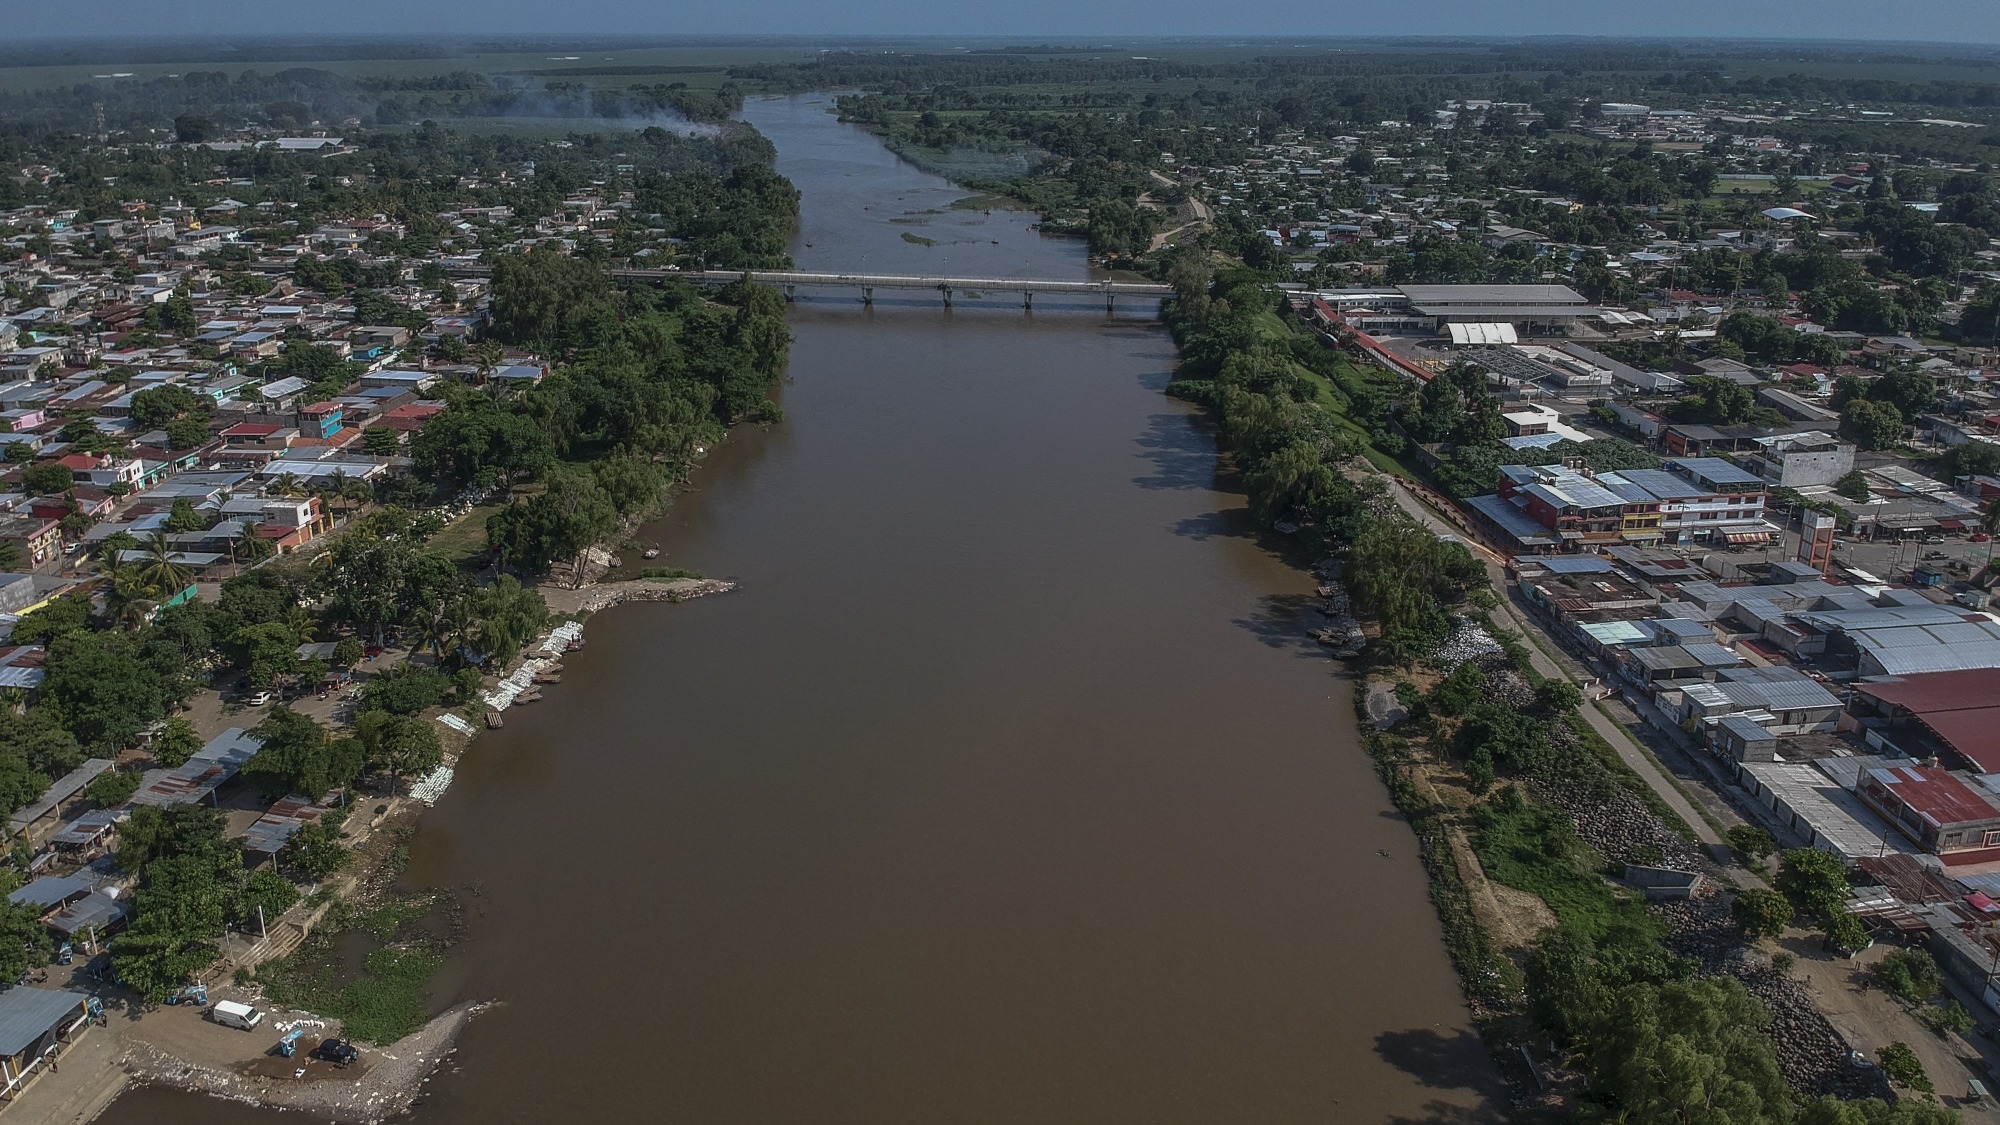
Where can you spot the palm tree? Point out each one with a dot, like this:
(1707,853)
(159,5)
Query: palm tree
(356,491)
(160,573)
(287,484)
(124,599)
(249,546)
(302,622)
(488,355)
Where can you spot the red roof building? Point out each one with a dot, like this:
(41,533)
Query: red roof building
(1937,811)
(1960,711)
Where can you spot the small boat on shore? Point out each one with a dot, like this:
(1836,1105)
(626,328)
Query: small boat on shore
(650,553)
(493,720)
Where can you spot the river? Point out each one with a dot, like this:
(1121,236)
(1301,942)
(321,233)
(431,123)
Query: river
(1008,788)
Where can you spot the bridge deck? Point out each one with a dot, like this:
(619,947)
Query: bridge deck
(864,281)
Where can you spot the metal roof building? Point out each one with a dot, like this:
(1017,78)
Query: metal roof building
(201,775)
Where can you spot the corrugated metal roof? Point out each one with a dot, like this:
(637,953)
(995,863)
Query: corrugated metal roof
(1614,632)
(26,679)
(1908,661)
(69,786)
(1513,521)
(88,827)
(1745,728)
(200,775)
(1575,564)
(53,890)
(95,911)
(1712,655)
(27,1014)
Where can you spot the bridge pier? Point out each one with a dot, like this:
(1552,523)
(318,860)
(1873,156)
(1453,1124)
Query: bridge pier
(946,290)
(1109,301)
(868,295)
(1028,299)
(791,293)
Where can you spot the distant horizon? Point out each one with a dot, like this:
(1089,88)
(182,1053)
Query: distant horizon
(1961,23)
(1022,39)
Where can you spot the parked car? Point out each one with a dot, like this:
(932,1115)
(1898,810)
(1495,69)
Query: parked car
(261,698)
(339,1052)
(1933,538)
(1979,537)
(229,1013)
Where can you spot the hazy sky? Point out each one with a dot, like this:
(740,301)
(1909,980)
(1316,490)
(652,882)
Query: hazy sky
(1951,21)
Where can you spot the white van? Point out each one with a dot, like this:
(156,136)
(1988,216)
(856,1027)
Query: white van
(229,1013)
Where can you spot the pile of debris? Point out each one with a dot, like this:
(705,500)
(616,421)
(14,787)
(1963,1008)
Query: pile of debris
(1468,640)
(1614,820)
(1814,1058)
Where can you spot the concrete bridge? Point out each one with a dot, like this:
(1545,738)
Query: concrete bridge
(945,287)
(868,283)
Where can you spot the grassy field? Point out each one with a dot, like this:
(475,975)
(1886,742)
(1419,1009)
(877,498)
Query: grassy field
(464,539)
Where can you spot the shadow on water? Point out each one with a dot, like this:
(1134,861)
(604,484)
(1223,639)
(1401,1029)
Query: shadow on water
(1457,1061)
(1228,523)
(1182,455)
(1281,621)
(1444,1113)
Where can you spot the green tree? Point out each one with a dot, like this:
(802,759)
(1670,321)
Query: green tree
(405,689)
(105,690)
(270,891)
(47,480)
(1853,485)
(154,407)
(316,849)
(572,515)
(1815,881)
(298,757)
(1751,843)
(266,652)
(1908,974)
(161,572)
(1829,1110)
(24,942)
(1871,425)
(176,743)
(1689,1051)
(1761,914)
(401,745)
(1903,1067)
(381,441)
(187,433)
(113,788)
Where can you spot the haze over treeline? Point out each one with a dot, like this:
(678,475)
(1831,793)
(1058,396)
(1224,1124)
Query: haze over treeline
(1961,21)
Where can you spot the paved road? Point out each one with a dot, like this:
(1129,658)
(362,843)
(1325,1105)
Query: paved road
(1620,740)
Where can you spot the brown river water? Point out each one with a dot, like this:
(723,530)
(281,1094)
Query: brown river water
(1008,788)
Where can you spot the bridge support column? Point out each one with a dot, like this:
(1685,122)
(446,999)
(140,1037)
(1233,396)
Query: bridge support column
(791,293)
(868,295)
(1109,301)
(1028,299)
(946,290)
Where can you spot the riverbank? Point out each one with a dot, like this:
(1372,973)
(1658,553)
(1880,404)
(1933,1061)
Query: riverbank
(176,1048)
(389,1083)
